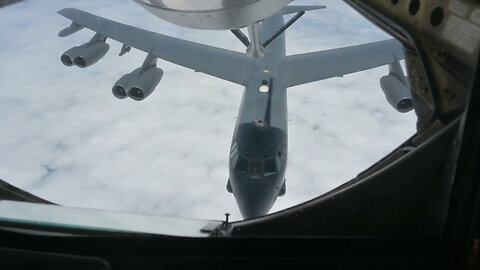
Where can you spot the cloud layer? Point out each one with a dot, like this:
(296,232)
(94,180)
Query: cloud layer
(64,137)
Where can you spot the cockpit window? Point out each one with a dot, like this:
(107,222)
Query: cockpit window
(242,165)
(234,147)
(255,169)
(270,168)
(233,153)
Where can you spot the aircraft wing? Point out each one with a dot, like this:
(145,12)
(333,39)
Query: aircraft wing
(224,64)
(309,67)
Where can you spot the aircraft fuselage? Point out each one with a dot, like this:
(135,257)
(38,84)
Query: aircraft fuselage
(258,153)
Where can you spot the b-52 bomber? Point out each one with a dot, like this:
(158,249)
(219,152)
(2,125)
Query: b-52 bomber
(258,153)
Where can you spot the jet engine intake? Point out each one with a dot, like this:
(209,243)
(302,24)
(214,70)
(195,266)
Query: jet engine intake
(86,54)
(67,57)
(120,88)
(142,86)
(90,55)
(138,85)
(397,93)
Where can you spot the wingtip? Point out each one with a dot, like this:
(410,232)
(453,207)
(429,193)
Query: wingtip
(65,11)
(61,11)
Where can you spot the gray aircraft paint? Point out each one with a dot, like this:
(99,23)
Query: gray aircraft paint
(261,128)
(254,102)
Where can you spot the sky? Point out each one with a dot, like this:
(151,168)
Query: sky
(65,138)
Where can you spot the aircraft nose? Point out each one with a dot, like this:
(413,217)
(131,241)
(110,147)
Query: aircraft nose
(251,210)
(254,200)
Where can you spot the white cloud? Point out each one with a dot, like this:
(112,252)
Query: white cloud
(65,137)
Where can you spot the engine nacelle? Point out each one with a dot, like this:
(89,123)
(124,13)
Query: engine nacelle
(67,57)
(120,88)
(137,84)
(86,54)
(143,85)
(397,93)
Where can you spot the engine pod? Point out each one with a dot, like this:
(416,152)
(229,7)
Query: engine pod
(67,57)
(143,85)
(88,56)
(119,89)
(397,93)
